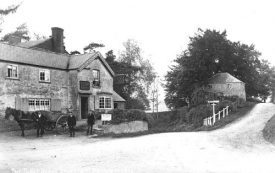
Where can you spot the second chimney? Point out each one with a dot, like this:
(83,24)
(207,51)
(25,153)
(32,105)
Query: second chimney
(58,40)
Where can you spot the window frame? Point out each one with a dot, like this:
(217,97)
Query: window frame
(47,75)
(106,104)
(35,104)
(13,76)
(96,79)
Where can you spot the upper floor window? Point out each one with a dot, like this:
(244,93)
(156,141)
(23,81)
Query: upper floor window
(44,75)
(96,78)
(12,71)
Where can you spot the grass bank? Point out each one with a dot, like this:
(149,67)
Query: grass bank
(269,130)
(164,125)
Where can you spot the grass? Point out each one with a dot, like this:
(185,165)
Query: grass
(269,130)
(166,126)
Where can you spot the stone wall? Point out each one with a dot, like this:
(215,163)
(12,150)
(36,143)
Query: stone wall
(28,86)
(129,127)
(86,74)
(230,89)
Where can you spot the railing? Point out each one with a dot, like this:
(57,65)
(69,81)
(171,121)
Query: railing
(210,121)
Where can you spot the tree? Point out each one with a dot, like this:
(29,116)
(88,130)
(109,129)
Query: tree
(75,52)
(134,75)
(21,32)
(208,53)
(92,46)
(7,11)
(37,36)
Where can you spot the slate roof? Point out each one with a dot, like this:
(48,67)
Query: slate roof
(29,44)
(44,58)
(41,58)
(77,60)
(223,78)
(117,98)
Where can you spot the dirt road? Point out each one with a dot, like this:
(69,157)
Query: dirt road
(238,147)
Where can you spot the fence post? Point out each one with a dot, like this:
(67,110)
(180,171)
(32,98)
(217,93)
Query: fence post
(223,112)
(227,110)
(214,119)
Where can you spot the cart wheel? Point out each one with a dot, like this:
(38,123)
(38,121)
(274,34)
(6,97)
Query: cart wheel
(49,126)
(62,125)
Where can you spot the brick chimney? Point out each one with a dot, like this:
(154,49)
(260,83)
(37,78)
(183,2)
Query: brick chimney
(58,40)
(14,39)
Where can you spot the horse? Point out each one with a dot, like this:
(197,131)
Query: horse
(23,118)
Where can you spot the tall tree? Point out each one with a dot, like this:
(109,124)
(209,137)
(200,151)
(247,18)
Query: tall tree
(134,75)
(5,12)
(208,53)
(21,32)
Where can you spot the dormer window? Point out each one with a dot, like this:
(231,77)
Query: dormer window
(96,78)
(12,71)
(44,75)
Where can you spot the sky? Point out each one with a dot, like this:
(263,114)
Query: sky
(161,27)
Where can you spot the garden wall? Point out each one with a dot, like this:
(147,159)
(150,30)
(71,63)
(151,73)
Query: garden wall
(127,127)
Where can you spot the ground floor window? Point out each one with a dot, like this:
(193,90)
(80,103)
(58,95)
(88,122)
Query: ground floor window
(39,104)
(105,102)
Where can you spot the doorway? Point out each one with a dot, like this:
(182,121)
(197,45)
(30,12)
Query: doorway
(84,107)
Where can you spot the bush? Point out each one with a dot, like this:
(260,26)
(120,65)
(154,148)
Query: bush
(120,115)
(182,113)
(255,100)
(198,113)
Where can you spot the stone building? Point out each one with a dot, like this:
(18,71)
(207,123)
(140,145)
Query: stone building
(40,75)
(226,84)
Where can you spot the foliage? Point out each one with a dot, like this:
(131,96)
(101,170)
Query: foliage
(93,46)
(21,32)
(134,75)
(208,53)
(75,52)
(197,114)
(122,115)
(200,96)
(7,11)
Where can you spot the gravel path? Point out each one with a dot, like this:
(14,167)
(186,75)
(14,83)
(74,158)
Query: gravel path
(238,147)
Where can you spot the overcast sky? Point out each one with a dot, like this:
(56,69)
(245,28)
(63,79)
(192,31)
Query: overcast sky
(161,27)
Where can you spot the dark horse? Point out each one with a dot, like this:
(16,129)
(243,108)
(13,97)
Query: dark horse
(23,118)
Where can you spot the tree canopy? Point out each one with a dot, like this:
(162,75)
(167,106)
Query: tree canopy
(5,12)
(20,32)
(92,46)
(134,75)
(208,53)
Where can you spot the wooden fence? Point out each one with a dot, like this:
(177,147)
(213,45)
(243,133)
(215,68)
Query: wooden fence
(210,121)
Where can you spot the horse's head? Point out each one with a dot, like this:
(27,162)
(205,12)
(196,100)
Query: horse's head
(12,112)
(8,112)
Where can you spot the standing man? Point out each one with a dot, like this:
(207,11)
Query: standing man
(91,122)
(40,120)
(71,124)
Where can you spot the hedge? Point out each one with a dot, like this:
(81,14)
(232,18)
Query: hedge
(120,115)
(196,114)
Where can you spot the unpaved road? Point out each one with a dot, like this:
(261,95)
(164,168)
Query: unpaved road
(238,147)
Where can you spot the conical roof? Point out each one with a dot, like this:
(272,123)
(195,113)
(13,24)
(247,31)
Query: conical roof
(223,78)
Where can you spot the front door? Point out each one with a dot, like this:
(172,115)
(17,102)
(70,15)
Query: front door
(84,107)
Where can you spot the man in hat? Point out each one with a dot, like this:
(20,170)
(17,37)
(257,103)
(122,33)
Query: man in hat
(40,120)
(90,122)
(71,124)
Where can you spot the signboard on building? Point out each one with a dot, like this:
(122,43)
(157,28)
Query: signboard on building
(106,117)
(84,85)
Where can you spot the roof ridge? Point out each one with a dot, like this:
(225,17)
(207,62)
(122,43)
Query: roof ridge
(36,49)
